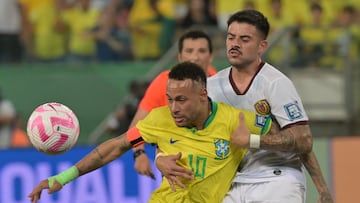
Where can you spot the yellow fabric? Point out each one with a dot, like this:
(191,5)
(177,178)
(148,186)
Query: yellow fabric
(302,11)
(48,43)
(80,22)
(207,152)
(235,5)
(146,30)
(32,4)
(287,17)
(354,47)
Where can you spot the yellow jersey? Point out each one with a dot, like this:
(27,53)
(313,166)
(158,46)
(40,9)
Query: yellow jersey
(207,152)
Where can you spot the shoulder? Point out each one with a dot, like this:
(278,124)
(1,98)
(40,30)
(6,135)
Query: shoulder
(159,115)
(161,77)
(226,109)
(272,74)
(220,75)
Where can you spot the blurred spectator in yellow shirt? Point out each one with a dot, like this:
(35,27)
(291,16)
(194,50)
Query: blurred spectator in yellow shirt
(151,25)
(81,19)
(45,37)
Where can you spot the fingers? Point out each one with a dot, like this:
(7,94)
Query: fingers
(178,156)
(171,183)
(149,173)
(143,166)
(36,192)
(169,167)
(179,183)
(34,196)
(241,119)
(173,180)
(152,176)
(179,171)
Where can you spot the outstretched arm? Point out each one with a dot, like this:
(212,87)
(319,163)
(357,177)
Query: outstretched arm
(312,166)
(103,154)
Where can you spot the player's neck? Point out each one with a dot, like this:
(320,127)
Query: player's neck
(242,77)
(203,116)
(245,71)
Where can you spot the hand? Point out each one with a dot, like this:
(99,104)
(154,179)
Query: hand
(241,135)
(170,169)
(325,197)
(142,166)
(44,184)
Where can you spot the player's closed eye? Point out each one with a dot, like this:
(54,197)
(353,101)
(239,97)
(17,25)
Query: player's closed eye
(180,99)
(245,39)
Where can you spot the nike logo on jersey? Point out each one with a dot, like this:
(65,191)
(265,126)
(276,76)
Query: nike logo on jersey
(172,141)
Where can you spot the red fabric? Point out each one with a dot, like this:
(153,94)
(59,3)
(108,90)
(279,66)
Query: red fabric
(134,137)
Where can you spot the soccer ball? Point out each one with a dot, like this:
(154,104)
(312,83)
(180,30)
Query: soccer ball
(53,128)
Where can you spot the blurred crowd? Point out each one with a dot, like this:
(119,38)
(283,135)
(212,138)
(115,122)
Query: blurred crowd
(11,125)
(116,30)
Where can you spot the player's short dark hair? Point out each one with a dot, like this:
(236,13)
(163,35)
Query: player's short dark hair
(188,70)
(252,17)
(194,34)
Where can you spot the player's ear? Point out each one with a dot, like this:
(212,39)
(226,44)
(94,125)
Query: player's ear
(262,46)
(204,93)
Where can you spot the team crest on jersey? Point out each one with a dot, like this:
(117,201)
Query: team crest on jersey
(262,107)
(222,149)
(293,111)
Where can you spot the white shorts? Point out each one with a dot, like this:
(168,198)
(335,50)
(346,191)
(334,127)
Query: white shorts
(266,192)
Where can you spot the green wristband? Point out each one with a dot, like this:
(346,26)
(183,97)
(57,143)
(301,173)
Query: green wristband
(64,177)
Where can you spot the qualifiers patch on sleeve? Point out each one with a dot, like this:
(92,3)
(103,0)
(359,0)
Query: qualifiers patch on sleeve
(293,111)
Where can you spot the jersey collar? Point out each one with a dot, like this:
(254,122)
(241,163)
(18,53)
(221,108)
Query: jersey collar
(211,117)
(214,107)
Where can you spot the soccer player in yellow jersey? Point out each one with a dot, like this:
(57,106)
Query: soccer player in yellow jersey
(201,129)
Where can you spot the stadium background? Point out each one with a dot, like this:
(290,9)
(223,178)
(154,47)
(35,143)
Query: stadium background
(93,91)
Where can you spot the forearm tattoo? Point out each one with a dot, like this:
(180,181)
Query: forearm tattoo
(295,139)
(103,154)
(90,162)
(98,153)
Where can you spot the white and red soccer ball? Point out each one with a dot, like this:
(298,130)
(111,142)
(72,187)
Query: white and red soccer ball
(53,128)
